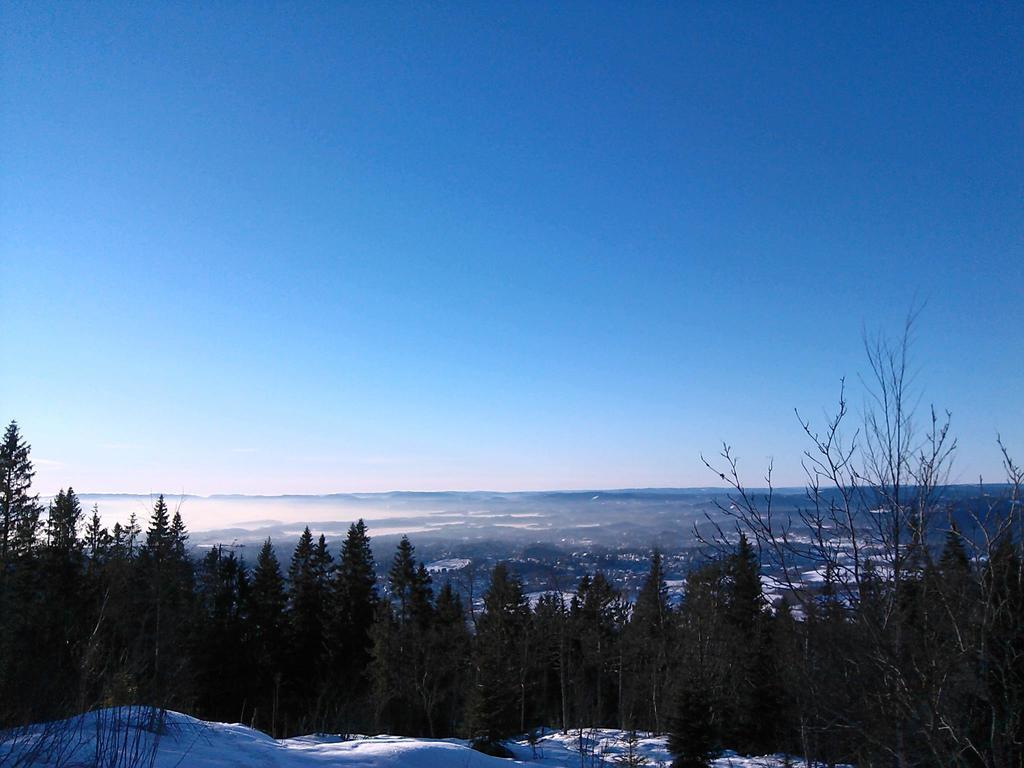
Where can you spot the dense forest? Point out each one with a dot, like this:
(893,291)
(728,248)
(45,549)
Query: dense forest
(921,667)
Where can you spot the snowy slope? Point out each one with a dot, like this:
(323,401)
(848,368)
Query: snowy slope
(188,742)
(181,741)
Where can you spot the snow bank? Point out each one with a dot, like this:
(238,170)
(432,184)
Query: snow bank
(180,741)
(172,740)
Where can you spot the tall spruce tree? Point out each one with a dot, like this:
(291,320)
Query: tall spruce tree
(97,539)
(322,567)
(550,660)
(352,605)
(401,646)
(753,693)
(132,532)
(267,600)
(19,507)
(409,584)
(495,697)
(306,574)
(597,617)
(63,519)
(447,664)
(703,657)
(159,543)
(221,655)
(165,611)
(646,641)
(178,536)
(61,585)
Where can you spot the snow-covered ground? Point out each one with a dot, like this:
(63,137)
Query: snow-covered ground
(606,748)
(185,742)
(451,564)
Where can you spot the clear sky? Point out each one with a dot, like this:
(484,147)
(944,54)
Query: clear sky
(301,247)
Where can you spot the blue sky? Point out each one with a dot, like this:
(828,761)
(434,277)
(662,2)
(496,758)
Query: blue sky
(299,247)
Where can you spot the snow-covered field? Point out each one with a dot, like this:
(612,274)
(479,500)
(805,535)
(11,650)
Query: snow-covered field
(606,748)
(185,742)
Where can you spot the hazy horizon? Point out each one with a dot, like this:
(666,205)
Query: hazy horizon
(445,513)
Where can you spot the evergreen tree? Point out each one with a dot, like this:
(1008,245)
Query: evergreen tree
(302,580)
(409,584)
(267,600)
(550,667)
(119,653)
(746,600)
(267,597)
(132,531)
(19,508)
(693,731)
(178,536)
(352,605)
(64,517)
(222,665)
(97,539)
(42,610)
(124,538)
(494,708)
(401,647)
(447,664)
(597,615)
(322,566)
(652,608)
(647,638)
(119,541)
(954,559)
(384,677)
(356,584)
(61,580)
(306,577)
(630,756)
(704,654)
(753,693)
(421,598)
(165,610)
(159,544)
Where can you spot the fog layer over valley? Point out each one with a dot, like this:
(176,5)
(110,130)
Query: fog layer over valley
(622,518)
(599,517)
